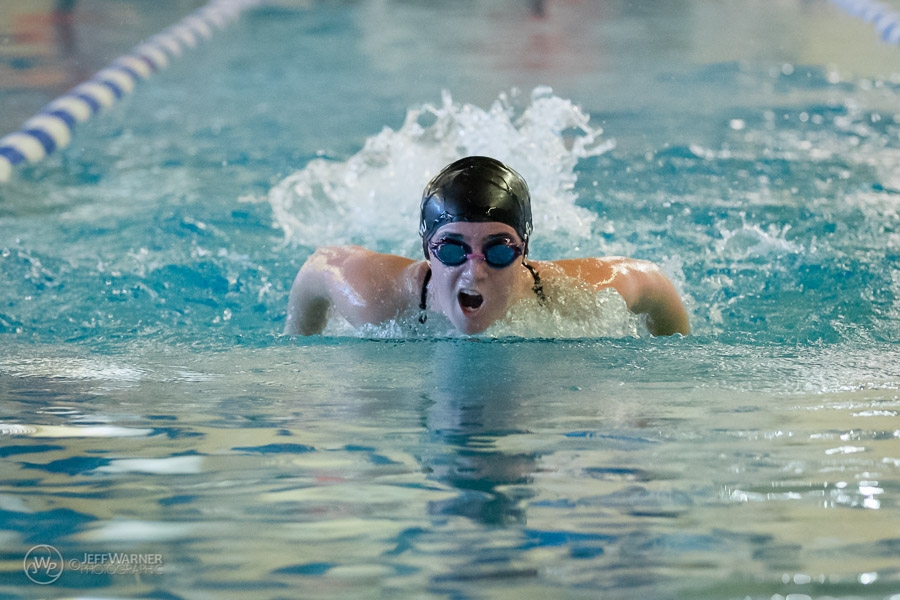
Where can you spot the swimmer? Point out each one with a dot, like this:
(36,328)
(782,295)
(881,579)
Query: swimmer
(475,227)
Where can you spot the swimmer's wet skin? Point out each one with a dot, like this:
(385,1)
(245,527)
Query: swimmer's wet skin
(476,203)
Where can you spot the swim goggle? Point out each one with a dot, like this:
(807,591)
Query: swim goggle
(497,254)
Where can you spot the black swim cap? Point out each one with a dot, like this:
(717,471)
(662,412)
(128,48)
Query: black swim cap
(476,189)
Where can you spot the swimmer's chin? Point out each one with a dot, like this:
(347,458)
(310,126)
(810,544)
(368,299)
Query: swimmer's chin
(472,323)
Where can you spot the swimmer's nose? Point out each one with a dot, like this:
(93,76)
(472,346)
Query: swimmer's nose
(476,265)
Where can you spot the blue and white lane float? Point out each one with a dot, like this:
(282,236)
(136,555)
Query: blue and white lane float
(51,128)
(885,19)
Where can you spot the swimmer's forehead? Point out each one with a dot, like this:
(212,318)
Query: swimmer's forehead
(485,232)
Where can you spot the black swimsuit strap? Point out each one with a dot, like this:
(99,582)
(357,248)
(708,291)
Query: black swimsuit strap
(538,286)
(538,289)
(422,301)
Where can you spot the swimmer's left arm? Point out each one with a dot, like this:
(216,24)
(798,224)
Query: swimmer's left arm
(643,285)
(647,291)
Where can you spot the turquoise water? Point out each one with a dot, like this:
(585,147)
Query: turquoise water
(151,407)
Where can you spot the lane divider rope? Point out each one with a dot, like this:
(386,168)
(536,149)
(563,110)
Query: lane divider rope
(51,128)
(885,19)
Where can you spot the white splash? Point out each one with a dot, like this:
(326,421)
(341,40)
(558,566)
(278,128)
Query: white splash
(575,312)
(372,199)
(753,241)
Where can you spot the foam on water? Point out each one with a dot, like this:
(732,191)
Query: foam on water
(752,240)
(575,312)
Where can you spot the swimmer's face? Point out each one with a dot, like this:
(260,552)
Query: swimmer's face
(475,294)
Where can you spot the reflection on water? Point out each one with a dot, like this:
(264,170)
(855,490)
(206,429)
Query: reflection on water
(451,468)
(475,392)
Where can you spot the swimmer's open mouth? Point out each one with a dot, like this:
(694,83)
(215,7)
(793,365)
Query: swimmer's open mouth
(470,300)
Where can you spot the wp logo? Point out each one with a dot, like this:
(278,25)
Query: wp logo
(43,564)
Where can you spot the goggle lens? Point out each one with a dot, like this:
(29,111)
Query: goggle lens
(450,253)
(500,255)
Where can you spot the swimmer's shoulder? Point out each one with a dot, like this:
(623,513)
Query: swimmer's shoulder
(597,271)
(359,260)
(388,279)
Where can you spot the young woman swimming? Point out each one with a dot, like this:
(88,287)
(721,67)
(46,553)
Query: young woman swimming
(475,226)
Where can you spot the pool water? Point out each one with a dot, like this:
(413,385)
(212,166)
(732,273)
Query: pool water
(151,408)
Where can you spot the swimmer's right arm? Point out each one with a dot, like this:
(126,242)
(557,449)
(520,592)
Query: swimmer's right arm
(642,284)
(361,285)
(310,301)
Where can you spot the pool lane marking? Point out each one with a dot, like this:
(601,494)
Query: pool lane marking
(51,128)
(885,19)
